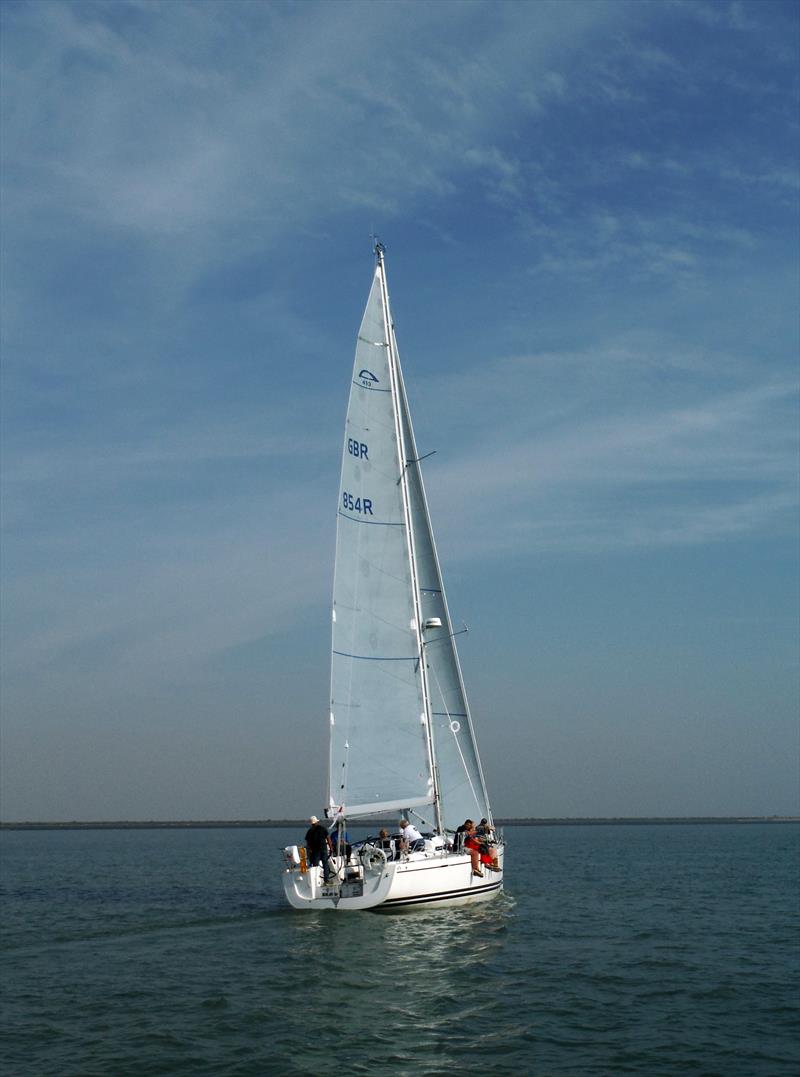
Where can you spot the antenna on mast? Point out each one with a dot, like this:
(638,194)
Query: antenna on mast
(377,246)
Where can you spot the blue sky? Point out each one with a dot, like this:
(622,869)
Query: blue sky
(590,213)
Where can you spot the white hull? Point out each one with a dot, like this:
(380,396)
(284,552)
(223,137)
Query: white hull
(423,881)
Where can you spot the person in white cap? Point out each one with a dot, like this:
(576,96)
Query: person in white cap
(318,844)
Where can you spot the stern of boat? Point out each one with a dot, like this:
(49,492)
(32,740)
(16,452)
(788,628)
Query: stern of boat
(362,888)
(431,878)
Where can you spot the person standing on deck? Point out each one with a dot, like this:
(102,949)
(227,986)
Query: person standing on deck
(319,847)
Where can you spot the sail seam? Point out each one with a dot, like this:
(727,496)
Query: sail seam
(369,388)
(373,523)
(375,658)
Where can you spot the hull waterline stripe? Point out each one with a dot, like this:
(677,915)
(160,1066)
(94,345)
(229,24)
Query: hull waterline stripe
(443,896)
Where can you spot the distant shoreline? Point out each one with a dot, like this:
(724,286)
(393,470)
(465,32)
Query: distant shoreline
(261,824)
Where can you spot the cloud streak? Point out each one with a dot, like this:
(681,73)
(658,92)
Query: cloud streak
(720,466)
(590,213)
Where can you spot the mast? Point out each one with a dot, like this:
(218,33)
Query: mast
(398,395)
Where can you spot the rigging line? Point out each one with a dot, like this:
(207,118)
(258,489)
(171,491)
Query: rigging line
(458,746)
(416,460)
(440,639)
(422,819)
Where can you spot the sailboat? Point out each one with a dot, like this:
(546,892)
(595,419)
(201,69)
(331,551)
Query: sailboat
(401,735)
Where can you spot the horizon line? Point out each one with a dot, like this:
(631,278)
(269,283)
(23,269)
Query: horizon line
(199,824)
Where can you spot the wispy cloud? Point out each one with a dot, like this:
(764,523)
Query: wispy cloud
(151,136)
(593,471)
(165,592)
(589,209)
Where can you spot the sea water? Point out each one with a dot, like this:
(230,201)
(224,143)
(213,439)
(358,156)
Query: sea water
(653,949)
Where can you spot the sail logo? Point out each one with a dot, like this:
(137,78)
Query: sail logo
(368,379)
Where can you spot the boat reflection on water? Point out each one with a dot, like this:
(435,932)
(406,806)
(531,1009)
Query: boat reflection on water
(419,994)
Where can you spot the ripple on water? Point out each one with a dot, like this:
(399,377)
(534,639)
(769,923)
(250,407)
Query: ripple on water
(657,950)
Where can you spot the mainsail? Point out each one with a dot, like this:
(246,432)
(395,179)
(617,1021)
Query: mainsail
(401,734)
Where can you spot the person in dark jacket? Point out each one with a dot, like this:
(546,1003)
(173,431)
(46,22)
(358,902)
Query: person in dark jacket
(318,844)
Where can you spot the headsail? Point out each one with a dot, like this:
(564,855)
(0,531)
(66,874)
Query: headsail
(462,790)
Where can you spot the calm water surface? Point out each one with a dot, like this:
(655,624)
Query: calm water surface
(615,949)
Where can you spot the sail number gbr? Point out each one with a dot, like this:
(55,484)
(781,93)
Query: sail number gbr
(357,448)
(356,504)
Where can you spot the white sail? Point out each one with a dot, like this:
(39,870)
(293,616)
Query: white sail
(462,791)
(379,750)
